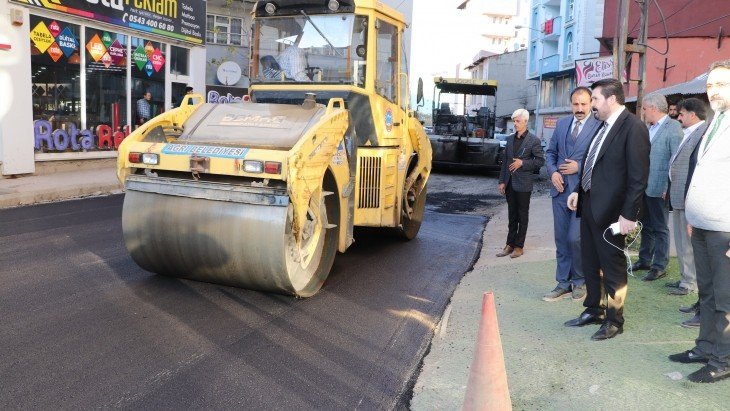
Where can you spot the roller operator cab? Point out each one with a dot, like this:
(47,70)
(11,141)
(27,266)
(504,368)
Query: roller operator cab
(464,140)
(263,194)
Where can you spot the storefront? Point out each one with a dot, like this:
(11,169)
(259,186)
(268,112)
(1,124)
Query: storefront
(75,70)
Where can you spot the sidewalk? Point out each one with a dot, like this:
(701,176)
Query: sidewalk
(58,186)
(550,366)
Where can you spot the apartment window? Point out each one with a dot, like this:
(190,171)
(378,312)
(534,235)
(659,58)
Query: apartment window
(533,57)
(563,87)
(224,30)
(546,94)
(568,55)
(571,9)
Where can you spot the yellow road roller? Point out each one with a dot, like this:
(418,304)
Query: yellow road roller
(262,194)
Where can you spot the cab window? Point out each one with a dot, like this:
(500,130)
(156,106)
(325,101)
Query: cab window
(387,62)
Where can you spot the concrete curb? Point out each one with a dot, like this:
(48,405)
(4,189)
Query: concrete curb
(37,197)
(36,189)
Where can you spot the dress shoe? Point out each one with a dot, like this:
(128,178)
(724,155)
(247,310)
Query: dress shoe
(654,274)
(585,319)
(680,291)
(673,284)
(687,357)
(693,322)
(709,373)
(690,309)
(607,330)
(507,251)
(517,252)
(579,292)
(639,266)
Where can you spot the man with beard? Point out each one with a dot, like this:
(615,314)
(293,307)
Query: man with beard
(707,213)
(673,112)
(612,182)
(564,156)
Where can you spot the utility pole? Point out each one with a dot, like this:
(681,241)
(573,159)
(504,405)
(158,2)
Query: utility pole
(621,50)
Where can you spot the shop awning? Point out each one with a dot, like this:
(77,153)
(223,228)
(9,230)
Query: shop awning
(693,87)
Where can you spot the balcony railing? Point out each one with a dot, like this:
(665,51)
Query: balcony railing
(550,64)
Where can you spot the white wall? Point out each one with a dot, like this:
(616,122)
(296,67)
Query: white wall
(16,113)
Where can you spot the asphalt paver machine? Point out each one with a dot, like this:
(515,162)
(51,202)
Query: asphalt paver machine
(262,194)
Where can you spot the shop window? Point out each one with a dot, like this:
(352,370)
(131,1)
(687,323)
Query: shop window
(106,80)
(179,58)
(387,64)
(224,30)
(148,74)
(55,72)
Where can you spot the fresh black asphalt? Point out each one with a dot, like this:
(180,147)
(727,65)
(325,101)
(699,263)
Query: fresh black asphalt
(81,326)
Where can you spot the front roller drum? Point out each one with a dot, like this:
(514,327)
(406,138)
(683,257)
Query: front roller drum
(232,243)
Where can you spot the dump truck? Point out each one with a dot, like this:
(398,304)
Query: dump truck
(262,194)
(465,141)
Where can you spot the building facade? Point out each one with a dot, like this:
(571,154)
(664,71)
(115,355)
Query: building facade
(513,91)
(73,71)
(494,22)
(71,74)
(696,35)
(561,33)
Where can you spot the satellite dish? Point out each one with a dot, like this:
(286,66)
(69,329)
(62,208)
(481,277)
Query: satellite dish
(229,72)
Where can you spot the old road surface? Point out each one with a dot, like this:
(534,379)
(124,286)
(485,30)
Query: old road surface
(82,326)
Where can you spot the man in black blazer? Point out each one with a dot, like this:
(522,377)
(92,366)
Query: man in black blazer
(613,179)
(522,156)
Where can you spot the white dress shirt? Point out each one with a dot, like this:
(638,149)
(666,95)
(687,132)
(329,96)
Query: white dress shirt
(581,123)
(655,127)
(608,124)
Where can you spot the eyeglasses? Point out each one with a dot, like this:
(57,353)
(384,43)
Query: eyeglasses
(717,85)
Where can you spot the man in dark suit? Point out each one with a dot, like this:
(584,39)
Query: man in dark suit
(522,155)
(563,159)
(612,182)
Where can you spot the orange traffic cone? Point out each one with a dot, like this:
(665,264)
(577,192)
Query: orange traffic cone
(487,387)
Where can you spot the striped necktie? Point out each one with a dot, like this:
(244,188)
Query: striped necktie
(590,160)
(574,133)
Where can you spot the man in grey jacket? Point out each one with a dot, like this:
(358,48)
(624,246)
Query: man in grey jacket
(665,135)
(522,155)
(708,215)
(692,116)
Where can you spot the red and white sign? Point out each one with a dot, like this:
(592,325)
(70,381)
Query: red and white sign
(589,71)
(158,60)
(549,121)
(54,28)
